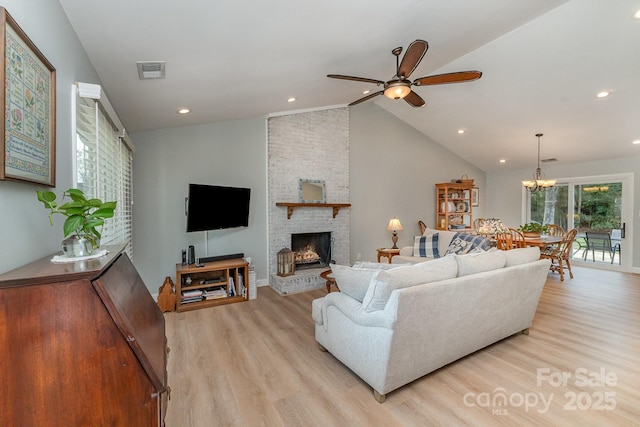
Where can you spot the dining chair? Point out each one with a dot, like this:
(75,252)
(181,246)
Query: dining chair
(555,230)
(560,254)
(511,239)
(422,226)
(477,223)
(598,241)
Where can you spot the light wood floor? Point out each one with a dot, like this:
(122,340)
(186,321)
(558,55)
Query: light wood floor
(257,364)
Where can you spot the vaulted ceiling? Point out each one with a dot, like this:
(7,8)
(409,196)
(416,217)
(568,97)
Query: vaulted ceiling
(543,63)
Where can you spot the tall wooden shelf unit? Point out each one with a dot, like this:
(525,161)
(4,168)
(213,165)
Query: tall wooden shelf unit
(213,275)
(453,206)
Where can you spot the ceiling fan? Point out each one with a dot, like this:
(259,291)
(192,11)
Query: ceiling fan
(399,87)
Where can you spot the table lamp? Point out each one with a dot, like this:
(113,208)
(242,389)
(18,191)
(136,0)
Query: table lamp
(394,225)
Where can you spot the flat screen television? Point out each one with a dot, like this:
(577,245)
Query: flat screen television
(211,207)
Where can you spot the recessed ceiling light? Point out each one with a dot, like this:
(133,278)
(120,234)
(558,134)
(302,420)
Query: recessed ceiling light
(503,160)
(637,15)
(291,99)
(365,92)
(183,110)
(603,94)
(460,131)
(636,142)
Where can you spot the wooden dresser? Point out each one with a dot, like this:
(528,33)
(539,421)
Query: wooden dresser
(81,344)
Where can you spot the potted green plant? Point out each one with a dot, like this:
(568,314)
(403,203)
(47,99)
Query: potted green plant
(533,229)
(85,219)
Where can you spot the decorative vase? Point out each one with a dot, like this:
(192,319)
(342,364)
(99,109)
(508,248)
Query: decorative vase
(74,246)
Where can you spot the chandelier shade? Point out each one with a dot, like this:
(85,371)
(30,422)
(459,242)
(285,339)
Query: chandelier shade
(538,183)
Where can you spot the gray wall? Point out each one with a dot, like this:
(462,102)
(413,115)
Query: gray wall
(231,154)
(25,232)
(504,199)
(393,170)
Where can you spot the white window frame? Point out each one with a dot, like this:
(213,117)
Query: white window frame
(113,162)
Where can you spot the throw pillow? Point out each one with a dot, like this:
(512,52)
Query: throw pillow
(458,247)
(426,246)
(473,263)
(386,282)
(353,281)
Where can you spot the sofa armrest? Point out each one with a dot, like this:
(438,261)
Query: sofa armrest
(406,251)
(353,309)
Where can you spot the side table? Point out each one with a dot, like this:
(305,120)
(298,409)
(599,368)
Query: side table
(326,275)
(388,253)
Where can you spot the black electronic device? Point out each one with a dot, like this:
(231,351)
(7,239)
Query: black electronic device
(192,255)
(184,257)
(212,207)
(221,257)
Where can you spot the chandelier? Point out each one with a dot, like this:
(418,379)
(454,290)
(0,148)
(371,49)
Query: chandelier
(538,183)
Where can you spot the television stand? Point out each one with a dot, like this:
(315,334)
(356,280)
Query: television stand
(210,286)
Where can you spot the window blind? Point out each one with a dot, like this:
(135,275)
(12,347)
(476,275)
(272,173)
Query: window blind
(104,163)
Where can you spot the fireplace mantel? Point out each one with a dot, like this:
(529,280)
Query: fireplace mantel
(291,206)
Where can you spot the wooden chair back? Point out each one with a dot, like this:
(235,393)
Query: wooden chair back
(422,227)
(511,239)
(555,230)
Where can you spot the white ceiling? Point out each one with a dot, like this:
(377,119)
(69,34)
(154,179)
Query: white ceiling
(543,62)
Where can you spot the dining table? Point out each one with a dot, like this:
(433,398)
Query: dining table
(542,241)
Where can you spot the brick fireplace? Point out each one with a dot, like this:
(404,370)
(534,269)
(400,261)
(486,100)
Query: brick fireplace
(312,145)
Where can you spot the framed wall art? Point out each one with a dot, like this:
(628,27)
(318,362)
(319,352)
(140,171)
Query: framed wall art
(28,100)
(475,197)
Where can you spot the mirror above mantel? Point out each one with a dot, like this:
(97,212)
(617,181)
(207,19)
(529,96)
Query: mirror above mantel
(311,191)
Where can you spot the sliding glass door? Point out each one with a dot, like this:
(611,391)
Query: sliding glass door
(598,208)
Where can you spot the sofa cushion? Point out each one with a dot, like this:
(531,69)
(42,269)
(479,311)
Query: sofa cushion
(385,282)
(426,246)
(521,256)
(458,246)
(353,281)
(374,265)
(480,261)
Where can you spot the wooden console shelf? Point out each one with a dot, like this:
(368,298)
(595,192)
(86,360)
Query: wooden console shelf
(291,206)
(214,275)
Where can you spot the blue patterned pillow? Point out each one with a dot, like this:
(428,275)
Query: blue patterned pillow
(458,246)
(477,242)
(426,246)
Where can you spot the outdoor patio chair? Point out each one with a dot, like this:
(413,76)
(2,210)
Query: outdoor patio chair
(616,238)
(598,241)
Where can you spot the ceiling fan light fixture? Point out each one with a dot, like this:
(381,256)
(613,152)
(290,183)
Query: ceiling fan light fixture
(397,89)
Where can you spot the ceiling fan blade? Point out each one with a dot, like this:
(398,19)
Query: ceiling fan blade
(412,58)
(461,76)
(357,79)
(414,99)
(366,98)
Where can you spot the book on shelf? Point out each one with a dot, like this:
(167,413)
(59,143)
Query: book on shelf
(232,287)
(214,293)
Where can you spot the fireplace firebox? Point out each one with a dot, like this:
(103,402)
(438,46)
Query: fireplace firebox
(311,250)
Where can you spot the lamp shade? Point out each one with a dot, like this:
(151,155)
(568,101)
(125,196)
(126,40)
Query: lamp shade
(394,224)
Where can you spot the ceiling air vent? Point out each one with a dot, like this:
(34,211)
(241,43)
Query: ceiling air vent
(150,70)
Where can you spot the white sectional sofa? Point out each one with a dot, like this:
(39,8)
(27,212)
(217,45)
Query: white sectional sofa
(393,326)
